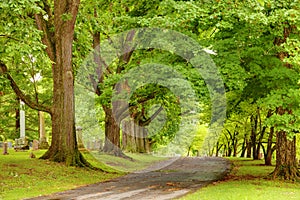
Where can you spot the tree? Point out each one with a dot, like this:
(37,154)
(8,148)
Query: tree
(56,23)
(261,31)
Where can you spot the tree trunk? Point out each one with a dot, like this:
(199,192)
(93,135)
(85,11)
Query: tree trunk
(248,142)
(112,133)
(64,145)
(286,163)
(229,150)
(235,146)
(135,138)
(254,121)
(244,146)
(218,147)
(269,151)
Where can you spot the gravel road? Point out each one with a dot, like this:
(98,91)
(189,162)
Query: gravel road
(166,180)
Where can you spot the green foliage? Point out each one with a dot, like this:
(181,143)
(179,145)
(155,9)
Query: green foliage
(242,33)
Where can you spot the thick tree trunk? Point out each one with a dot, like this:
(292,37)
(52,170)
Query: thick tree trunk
(286,163)
(135,138)
(64,145)
(112,133)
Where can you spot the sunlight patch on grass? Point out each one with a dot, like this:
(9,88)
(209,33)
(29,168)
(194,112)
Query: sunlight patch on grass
(23,177)
(140,161)
(248,181)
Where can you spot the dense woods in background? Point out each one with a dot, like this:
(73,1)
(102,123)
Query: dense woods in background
(254,44)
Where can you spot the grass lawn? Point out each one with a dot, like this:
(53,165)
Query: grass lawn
(248,181)
(22,177)
(140,161)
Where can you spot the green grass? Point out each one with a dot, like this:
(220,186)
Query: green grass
(140,161)
(22,177)
(248,181)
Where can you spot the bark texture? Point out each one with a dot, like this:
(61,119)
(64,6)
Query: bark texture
(59,48)
(286,163)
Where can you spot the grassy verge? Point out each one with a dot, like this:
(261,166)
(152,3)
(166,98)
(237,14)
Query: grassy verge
(23,177)
(248,181)
(140,161)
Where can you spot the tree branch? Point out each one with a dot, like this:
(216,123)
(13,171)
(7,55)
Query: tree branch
(45,27)
(20,94)
(9,37)
(149,120)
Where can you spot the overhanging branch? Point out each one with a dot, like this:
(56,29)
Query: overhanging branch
(20,94)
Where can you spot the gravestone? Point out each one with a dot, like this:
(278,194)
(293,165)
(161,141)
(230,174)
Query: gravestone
(88,145)
(5,147)
(9,145)
(22,119)
(79,137)
(43,143)
(35,145)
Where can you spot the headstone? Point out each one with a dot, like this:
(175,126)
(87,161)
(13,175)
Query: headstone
(88,145)
(79,137)
(43,140)
(35,145)
(5,148)
(22,119)
(9,145)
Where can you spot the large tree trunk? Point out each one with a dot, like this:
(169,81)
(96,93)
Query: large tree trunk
(64,145)
(286,163)
(134,138)
(112,133)
(59,49)
(113,114)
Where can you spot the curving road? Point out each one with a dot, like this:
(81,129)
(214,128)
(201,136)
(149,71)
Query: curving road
(166,180)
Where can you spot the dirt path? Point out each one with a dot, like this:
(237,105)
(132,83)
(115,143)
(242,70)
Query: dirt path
(166,180)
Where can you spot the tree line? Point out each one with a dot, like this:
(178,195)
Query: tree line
(257,54)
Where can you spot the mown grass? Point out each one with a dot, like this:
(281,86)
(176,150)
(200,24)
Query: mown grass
(23,177)
(248,181)
(139,162)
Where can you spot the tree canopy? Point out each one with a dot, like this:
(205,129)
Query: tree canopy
(137,76)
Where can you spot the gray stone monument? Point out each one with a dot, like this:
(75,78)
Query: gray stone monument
(43,144)
(9,145)
(79,137)
(22,119)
